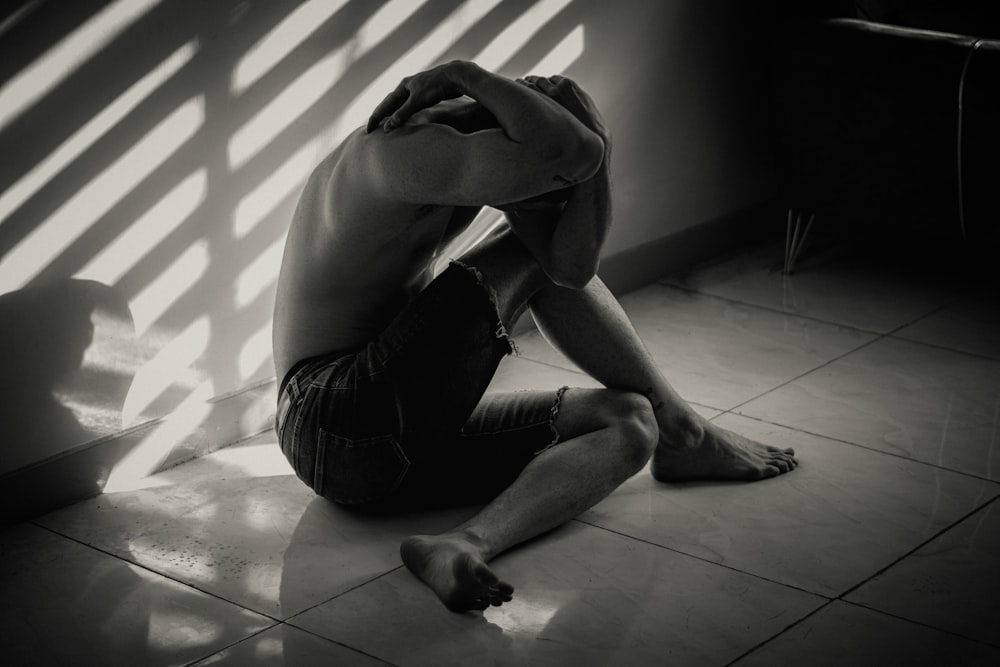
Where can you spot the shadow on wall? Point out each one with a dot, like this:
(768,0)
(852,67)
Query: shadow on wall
(49,332)
(158,148)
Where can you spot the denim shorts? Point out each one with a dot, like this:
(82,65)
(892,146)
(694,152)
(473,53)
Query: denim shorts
(403,422)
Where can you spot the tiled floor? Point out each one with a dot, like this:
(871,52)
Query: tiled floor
(883,547)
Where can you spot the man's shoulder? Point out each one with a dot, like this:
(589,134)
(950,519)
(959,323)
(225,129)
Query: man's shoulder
(340,191)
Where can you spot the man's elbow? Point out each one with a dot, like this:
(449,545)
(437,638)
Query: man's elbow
(592,153)
(586,157)
(577,160)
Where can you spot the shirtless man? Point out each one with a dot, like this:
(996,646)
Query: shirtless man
(384,365)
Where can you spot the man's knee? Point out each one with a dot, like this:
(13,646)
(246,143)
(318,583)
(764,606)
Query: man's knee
(632,416)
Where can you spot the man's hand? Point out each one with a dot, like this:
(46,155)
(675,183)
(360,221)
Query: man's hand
(568,94)
(417,92)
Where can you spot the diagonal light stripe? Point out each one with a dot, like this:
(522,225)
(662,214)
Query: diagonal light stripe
(260,273)
(64,58)
(498,52)
(172,365)
(420,56)
(562,55)
(256,352)
(143,460)
(282,40)
(96,128)
(156,224)
(282,182)
(88,205)
(302,93)
(168,286)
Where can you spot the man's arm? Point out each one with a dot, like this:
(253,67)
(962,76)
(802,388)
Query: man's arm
(538,147)
(567,240)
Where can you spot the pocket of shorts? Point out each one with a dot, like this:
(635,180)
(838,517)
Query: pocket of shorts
(355,471)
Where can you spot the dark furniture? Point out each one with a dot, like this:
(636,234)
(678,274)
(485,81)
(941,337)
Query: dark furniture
(890,130)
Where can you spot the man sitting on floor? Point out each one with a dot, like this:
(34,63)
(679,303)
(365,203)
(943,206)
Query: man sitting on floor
(385,366)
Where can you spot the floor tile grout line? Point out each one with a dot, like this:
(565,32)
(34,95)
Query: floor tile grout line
(891,333)
(702,559)
(920,623)
(827,599)
(159,574)
(943,348)
(841,597)
(862,446)
(334,641)
(772,309)
(921,545)
(827,602)
(278,624)
(231,645)
(878,338)
(805,373)
(341,594)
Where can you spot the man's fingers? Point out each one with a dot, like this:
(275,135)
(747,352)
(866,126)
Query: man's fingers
(543,84)
(399,116)
(391,103)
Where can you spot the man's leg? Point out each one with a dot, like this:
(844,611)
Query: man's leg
(605,437)
(591,329)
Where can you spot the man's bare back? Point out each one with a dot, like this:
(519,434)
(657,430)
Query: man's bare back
(351,261)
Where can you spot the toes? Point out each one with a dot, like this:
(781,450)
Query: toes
(771,470)
(499,593)
(784,461)
(788,451)
(483,574)
(787,458)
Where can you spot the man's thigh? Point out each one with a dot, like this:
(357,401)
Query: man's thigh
(503,435)
(474,464)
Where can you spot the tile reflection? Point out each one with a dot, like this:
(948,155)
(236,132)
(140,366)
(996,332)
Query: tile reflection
(66,603)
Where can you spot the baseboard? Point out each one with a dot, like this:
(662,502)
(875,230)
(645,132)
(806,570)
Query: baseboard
(681,251)
(82,472)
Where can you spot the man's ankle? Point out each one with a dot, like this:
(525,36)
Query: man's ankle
(683,432)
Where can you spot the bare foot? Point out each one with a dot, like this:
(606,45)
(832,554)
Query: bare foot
(453,567)
(711,452)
